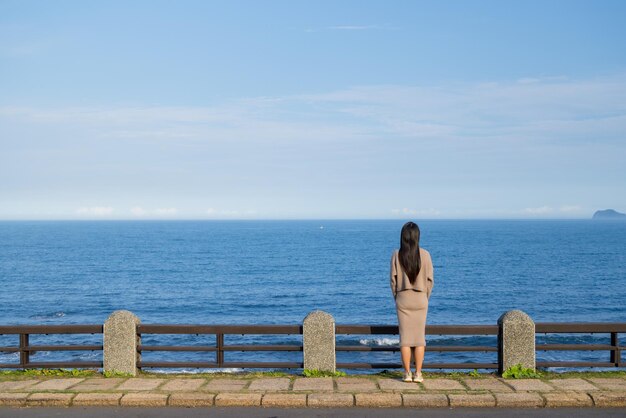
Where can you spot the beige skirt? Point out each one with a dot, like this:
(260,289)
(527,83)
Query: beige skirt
(412,308)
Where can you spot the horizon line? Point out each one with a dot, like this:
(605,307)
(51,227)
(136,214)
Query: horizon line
(291,219)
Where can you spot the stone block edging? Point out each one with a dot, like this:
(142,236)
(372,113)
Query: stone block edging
(286,400)
(295,391)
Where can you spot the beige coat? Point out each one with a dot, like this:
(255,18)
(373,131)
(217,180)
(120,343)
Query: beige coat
(425,278)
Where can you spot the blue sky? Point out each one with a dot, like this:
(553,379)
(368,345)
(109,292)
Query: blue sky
(311,109)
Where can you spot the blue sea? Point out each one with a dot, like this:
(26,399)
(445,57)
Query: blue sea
(276,272)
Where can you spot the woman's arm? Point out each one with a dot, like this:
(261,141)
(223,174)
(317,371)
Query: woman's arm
(430,279)
(393,275)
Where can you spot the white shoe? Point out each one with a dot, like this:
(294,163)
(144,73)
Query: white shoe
(408,377)
(418,378)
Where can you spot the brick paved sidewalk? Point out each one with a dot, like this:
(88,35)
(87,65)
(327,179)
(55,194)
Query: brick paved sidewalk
(296,391)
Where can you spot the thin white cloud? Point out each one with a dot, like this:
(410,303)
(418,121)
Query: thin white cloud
(354,27)
(570,208)
(415,212)
(550,211)
(18,40)
(515,134)
(165,211)
(97,211)
(138,211)
(528,80)
(554,109)
(544,108)
(542,210)
(350,27)
(231,213)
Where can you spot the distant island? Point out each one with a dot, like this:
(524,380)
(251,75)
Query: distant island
(609,214)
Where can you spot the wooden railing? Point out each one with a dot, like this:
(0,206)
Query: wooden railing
(612,345)
(468,330)
(220,347)
(221,332)
(25,349)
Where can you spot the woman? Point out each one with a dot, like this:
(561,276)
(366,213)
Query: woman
(411,284)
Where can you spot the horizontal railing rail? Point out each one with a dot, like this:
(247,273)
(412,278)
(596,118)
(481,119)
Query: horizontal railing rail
(25,349)
(613,347)
(430,330)
(220,347)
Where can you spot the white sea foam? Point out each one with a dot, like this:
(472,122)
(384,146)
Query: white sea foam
(10,356)
(91,355)
(51,315)
(380,341)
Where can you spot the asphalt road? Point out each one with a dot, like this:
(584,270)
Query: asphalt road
(310,412)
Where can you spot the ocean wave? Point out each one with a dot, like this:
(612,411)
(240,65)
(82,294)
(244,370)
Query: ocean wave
(379,341)
(89,355)
(40,354)
(51,315)
(10,356)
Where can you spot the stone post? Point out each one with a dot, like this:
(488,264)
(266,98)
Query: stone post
(318,340)
(516,340)
(120,343)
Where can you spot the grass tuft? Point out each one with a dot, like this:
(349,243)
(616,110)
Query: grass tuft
(50,373)
(322,373)
(519,372)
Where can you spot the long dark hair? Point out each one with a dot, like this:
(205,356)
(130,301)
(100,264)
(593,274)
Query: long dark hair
(409,253)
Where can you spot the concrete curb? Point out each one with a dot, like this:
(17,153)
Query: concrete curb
(296,400)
